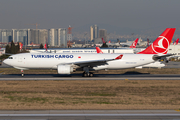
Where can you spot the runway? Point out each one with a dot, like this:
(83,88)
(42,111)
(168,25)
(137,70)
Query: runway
(96,77)
(91,114)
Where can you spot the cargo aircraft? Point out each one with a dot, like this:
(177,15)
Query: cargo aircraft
(66,63)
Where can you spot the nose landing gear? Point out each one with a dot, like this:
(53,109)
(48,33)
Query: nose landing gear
(22,73)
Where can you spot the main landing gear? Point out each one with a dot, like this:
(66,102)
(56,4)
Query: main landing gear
(86,72)
(89,74)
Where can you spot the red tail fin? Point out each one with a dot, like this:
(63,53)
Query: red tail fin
(174,42)
(177,41)
(103,40)
(134,43)
(161,44)
(45,46)
(98,50)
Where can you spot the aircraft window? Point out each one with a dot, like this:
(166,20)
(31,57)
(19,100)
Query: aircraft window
(10,57)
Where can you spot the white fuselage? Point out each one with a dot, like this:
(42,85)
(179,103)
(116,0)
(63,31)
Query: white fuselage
(52,60)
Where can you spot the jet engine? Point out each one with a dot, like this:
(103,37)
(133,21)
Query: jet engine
(64,69)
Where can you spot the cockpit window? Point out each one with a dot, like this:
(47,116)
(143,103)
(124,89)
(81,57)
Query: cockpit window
(10,57)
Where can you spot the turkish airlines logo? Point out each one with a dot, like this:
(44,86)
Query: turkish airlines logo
(160,45)
(134,44)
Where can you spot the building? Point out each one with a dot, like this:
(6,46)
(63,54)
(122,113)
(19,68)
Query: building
(94,32)
(20,35)
(6,35)
(57,37)
(54,37)
(43,36)
(91,32)
(103,34)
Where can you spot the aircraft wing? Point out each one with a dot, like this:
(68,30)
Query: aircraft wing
(93,63)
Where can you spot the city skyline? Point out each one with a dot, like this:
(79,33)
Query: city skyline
(118,17)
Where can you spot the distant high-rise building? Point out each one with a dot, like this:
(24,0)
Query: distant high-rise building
(62,33)
(91,32)
(54,37)
(43,35)
(58,37)
(6,36)
(38,36)
(34,36)
(103,34)
(94,32)
(20,35)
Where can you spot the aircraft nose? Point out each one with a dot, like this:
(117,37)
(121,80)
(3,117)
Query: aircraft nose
(5,62)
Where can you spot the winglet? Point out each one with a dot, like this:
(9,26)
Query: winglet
(45,46)
(119,57)
(161,44)
(98,50)
(134,43)
(177,41)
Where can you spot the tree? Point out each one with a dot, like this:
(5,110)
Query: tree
(41,46)
(13,49)
(17,48)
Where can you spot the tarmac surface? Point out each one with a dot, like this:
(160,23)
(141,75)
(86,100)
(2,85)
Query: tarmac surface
(91,114)
(96,77)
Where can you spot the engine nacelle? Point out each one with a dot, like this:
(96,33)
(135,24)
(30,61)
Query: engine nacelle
(64,69)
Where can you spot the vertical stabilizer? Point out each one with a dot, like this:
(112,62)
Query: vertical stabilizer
(161,44)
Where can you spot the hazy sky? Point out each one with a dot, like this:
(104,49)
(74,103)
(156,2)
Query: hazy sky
(113,15)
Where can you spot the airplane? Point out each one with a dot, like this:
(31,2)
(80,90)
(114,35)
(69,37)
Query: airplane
(176,42)
(66,63)
(122,44)
(134,43)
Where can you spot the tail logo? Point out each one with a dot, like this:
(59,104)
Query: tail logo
(161,46)
(134,44)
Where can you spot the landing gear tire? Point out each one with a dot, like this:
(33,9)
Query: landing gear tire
(91,75)
(87,74)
